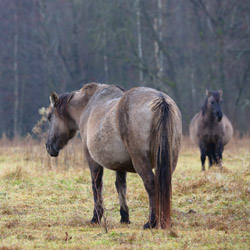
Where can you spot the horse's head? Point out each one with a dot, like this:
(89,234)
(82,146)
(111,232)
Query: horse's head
(213,104)
(61,126)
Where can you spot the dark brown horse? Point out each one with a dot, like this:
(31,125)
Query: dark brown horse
(210,129)
(133,131)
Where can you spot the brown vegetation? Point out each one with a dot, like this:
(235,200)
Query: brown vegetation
(41,199)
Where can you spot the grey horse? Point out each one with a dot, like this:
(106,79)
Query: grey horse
(210,129)
(134,131)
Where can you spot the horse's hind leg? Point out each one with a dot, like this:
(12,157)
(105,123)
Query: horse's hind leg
(143,168)
(96,175)
(121,188)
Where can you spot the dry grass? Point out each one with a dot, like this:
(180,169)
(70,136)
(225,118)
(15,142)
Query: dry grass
(47,203)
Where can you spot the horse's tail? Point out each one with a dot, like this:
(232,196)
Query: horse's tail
(161,158)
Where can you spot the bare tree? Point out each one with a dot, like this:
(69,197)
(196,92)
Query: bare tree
(16,74)
(139,39)
(180,47)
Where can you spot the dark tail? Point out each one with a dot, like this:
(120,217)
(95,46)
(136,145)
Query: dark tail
(161,158)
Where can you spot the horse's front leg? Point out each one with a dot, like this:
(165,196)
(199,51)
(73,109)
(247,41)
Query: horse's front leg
(97,185)
(121,188)
(219,150)
(203,155)
(210,158)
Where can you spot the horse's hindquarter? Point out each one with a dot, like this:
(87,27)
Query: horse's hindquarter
(227,130)
(194,132)
(135,120)
(103,139)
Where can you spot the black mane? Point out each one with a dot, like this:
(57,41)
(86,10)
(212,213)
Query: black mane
(62,103)
(121,88)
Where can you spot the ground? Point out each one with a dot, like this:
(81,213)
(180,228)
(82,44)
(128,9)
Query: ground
(47,203)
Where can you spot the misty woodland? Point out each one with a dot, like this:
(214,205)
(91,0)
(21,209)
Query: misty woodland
(176,46)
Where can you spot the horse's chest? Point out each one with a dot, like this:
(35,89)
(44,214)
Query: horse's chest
(210,133)
(211,136)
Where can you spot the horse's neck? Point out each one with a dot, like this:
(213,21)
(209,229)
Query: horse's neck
(75,111)
(80,108)
(209,118)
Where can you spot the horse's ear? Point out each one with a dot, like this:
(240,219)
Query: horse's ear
(220,92)
(208,93)
(54,99)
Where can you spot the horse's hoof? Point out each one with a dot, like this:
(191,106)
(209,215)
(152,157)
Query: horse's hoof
(149,225)
(125,221)
(94,221)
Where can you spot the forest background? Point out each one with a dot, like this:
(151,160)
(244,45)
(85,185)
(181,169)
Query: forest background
(180,47)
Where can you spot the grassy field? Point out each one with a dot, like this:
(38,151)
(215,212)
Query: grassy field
(47,203)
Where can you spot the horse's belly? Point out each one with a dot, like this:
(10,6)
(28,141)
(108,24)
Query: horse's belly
(109,152)
(104,142)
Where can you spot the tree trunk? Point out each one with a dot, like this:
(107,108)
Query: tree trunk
(16,77)
(160,73)
(75,54)
(158,50)
(139,40)
(105,56)
(46,40)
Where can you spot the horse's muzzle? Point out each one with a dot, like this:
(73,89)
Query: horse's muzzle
(51,149)
(219,115)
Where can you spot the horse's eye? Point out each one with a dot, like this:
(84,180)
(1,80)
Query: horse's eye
(49,117)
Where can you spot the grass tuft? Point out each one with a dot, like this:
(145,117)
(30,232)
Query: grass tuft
(17,174)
